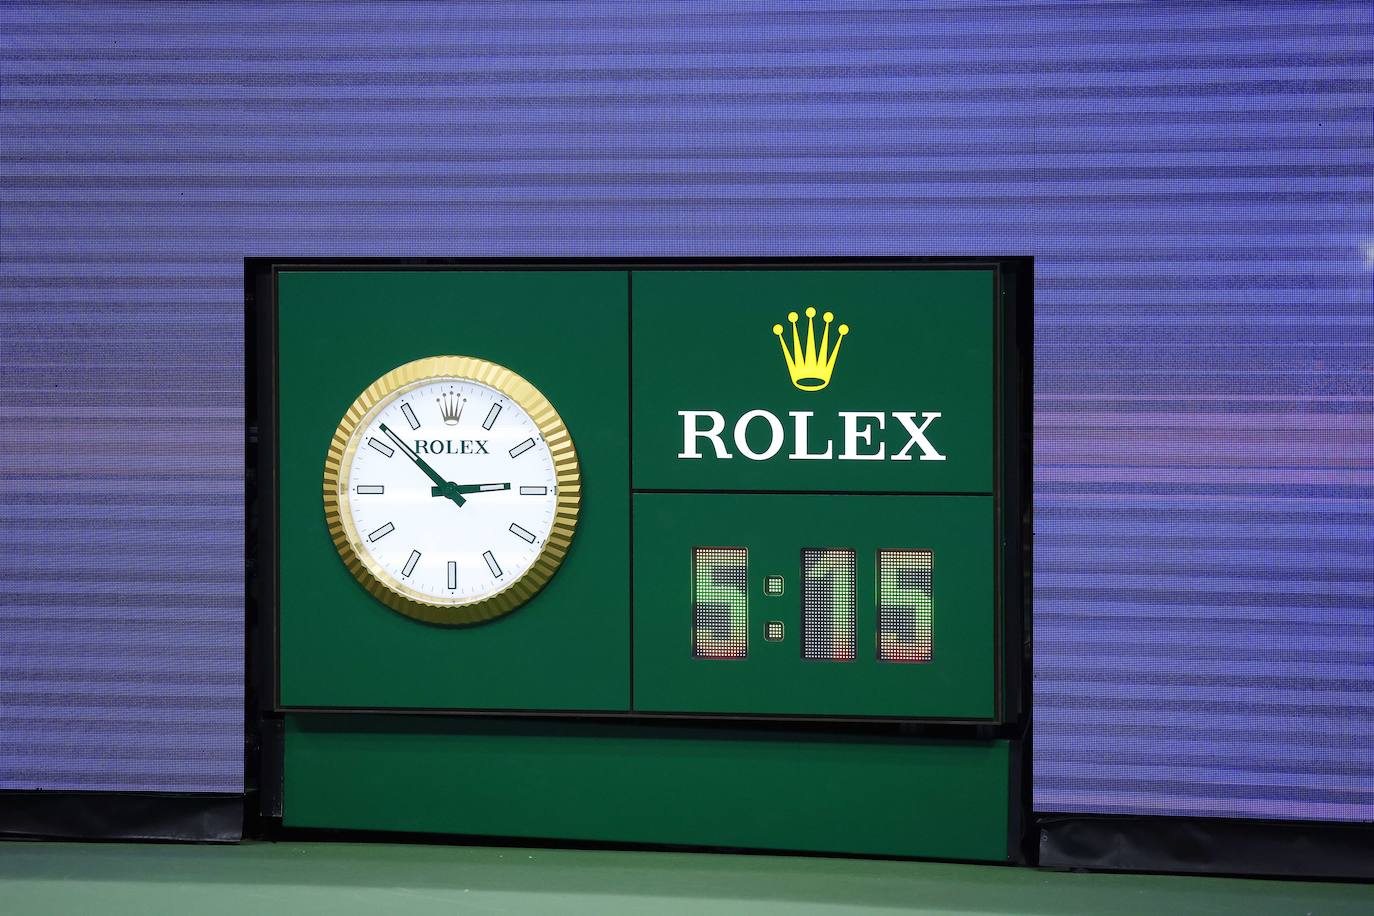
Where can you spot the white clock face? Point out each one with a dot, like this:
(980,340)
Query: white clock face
(451,489)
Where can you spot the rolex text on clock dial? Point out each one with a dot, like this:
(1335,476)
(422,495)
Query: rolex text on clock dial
(451,490)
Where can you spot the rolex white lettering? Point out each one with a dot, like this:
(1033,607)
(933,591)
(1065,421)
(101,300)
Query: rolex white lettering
(774,426)
(864,435)
(693,432)
(800,437)
(858,429)
(918,437)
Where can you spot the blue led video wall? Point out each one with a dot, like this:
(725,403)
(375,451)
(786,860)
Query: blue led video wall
(1193,179)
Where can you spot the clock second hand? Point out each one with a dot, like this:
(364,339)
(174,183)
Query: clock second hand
(441,486)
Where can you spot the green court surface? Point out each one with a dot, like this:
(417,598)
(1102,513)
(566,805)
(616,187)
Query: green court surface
(347,878)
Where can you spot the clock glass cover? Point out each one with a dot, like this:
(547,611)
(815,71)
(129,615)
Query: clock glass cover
(451,490)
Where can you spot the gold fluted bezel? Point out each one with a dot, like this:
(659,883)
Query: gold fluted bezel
(377,581)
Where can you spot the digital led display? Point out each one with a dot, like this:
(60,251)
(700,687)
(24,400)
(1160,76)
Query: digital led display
(905,605)
(720,602)
(828,604)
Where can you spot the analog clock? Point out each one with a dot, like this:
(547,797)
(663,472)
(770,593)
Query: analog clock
(451,490)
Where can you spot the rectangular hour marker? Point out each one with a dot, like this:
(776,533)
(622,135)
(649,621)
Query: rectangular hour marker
(368,489)
(382,447)
(521,533)
(492,564)
(534,491)
(381,532)
(410,564)
(452,574)
(522,448)
(410,416)
(491,416)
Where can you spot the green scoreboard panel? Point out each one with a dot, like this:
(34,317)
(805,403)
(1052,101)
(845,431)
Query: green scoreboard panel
(590,510)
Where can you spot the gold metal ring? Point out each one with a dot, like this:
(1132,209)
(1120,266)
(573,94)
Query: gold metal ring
(396,595)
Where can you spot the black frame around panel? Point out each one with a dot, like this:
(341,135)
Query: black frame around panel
(1012,463)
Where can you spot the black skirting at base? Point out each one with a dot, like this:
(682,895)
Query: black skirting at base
(1207,846)
(122,816)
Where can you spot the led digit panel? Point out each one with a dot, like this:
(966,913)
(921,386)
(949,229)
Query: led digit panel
(905,605)
(828,604)
(720,602)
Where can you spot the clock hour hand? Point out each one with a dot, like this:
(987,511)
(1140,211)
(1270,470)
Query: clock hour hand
(468,488)
(441,486)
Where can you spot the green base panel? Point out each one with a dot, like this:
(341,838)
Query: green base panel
(658,785)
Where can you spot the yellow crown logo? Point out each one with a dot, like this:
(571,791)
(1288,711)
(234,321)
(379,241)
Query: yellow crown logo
(810,368)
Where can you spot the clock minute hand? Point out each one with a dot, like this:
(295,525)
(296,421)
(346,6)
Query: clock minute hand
(441,486)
